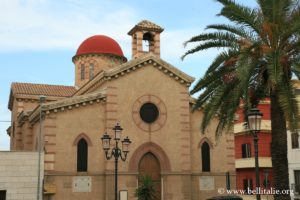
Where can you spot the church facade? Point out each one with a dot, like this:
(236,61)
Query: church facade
(148,97)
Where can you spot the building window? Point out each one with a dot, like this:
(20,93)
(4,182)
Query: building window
(248,187)
(82,156)
(147,41)
(2,194)
(205,153)
(149,112)
(297,181)
(91,71)
(266,183)
(295,141)
(82,72)
(297,92)
(246,150)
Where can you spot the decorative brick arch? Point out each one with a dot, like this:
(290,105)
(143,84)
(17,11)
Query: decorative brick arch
(205,139)
(84,136)
(154,149)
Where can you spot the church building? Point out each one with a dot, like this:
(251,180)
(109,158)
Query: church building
(148,97)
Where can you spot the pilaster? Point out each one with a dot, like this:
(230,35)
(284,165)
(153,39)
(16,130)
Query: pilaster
(185,137)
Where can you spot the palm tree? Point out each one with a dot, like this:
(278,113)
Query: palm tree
(146,191)
(260,54)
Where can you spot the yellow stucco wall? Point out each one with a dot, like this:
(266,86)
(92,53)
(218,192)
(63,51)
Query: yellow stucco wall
(177,136)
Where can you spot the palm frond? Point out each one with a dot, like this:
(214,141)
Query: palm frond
(212,107)
(237,30)
(296,70)
(260,50)
(221,58)
(242,15)
(226,2)
(217,36)
(209,45)
(214,77)
(289,104)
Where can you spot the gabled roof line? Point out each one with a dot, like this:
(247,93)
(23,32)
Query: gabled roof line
(33,90)
(133,65)
(66,104)
(45,89)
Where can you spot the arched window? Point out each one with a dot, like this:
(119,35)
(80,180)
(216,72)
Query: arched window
(295,141)
(91,71)
(147,41)
(82,155)
(205,153)
(82,72)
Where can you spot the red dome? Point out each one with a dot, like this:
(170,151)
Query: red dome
(99,44)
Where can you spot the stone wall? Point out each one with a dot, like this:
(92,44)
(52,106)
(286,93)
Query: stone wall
(19,174)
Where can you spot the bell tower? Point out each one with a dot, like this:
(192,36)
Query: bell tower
(145,38)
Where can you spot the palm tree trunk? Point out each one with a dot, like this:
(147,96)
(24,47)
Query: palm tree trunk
(279,149)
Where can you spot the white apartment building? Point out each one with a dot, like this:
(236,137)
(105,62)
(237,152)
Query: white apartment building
(294,164)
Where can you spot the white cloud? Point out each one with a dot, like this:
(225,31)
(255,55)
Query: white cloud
(64,24)
(45,24)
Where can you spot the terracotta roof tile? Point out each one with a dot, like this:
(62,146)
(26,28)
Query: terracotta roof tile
(43,89)
(146,25)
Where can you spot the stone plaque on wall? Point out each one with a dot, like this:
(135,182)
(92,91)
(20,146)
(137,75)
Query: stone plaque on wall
(123,195)
(82,184)
(207,183)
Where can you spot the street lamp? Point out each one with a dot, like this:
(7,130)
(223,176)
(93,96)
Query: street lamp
(116,152)
(40,147)
(254,123)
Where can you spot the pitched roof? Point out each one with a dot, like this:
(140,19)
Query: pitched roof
(43,89)
(67,103)
(34,90)
(133,65)
(146,25)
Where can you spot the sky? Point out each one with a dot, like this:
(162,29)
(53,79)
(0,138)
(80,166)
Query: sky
(39,37)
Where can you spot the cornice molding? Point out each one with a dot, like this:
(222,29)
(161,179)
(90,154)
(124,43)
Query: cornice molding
(66,104)
(91,55)
(22,117)
(134,65)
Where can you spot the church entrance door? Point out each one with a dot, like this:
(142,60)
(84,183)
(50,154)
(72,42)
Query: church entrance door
(149,165)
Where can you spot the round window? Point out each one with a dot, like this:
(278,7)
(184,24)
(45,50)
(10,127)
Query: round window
(149,112)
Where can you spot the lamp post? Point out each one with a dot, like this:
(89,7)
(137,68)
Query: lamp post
(254,124)
(116,152)
(40,146)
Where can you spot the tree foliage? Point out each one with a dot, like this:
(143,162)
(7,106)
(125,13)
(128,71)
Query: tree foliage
(146,190)
(259,55)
